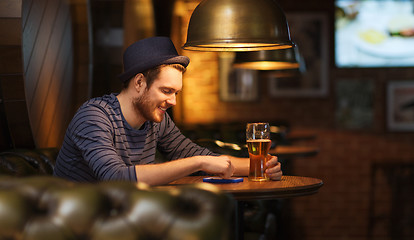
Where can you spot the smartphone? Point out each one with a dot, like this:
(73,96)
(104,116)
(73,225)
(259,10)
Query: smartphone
(222,180)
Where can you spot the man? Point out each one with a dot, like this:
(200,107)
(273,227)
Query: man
(115,137)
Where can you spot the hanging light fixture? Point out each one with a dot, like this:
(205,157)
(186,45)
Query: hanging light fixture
(281,59)
(237,25)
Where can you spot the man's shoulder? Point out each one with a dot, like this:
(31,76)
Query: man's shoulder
(105,103)
(99,110)
(105,106)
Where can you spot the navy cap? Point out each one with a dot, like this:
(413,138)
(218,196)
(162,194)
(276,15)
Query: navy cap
(148,53)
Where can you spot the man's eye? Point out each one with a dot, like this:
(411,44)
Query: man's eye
(169,91)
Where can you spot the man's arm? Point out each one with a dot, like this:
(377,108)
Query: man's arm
(223,166)
(157,174)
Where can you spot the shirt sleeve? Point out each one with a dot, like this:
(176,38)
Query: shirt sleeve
(174,145)
(93,134)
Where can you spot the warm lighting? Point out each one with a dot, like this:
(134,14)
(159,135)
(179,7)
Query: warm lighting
(268,60)
(228,145)
(237,25)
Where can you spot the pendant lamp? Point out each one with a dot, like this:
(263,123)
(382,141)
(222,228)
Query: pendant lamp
(268,60)
(237,25)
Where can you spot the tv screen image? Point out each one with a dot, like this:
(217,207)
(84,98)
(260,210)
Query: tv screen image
(374,33)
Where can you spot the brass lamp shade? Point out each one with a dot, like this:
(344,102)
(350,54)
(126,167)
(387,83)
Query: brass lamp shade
(237,25)
(268,60)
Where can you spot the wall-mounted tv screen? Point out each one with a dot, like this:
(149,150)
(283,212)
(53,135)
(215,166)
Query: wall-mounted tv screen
(374,33)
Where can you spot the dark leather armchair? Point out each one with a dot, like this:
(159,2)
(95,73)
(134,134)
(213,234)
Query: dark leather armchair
(27,162)
(35,205)
(45,207)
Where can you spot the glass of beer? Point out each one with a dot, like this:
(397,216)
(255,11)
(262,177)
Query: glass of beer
(258,144)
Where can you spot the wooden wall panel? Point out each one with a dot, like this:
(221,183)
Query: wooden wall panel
(31,28)
(36,72)
(11,59)
(52,60)
(13,35)
(25,11)
(54,105)
(57,131)
(16,122)
(13,83)
(10,9)
(82,64)
(48,62)
(19,126)
(15,126)
(35,40)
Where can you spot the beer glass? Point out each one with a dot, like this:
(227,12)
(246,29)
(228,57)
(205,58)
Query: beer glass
(258,144)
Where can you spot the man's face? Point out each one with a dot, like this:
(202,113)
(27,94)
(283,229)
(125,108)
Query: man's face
(154,102)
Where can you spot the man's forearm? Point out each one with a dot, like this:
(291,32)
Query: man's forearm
(157,174)
(241,166)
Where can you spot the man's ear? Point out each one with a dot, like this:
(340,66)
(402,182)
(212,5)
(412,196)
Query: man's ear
(139,82)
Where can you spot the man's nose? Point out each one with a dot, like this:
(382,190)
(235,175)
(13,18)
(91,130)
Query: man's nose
(172,100)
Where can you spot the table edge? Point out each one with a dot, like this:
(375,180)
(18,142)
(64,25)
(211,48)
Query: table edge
(285,193)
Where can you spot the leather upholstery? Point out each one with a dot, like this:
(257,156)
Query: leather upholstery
(45,207)
(26,162)
(35,205)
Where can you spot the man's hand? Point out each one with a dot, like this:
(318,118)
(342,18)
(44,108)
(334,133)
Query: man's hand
(273,168)
(220,165)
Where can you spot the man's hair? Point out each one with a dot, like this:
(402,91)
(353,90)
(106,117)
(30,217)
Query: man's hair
(152,74)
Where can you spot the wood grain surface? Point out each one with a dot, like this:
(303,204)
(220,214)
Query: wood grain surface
(287,187)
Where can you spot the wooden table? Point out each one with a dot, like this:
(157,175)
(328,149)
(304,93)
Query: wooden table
(289,151)
(287,187)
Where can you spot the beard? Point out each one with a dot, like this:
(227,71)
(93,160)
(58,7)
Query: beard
(147,109)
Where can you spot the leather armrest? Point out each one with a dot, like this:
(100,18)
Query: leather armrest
(25,162)
(44,207)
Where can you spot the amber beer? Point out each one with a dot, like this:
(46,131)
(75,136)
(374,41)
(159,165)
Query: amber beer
(258,150)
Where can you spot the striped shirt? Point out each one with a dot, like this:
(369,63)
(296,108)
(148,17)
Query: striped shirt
(100,145)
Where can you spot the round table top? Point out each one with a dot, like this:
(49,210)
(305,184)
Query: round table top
(287,187)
